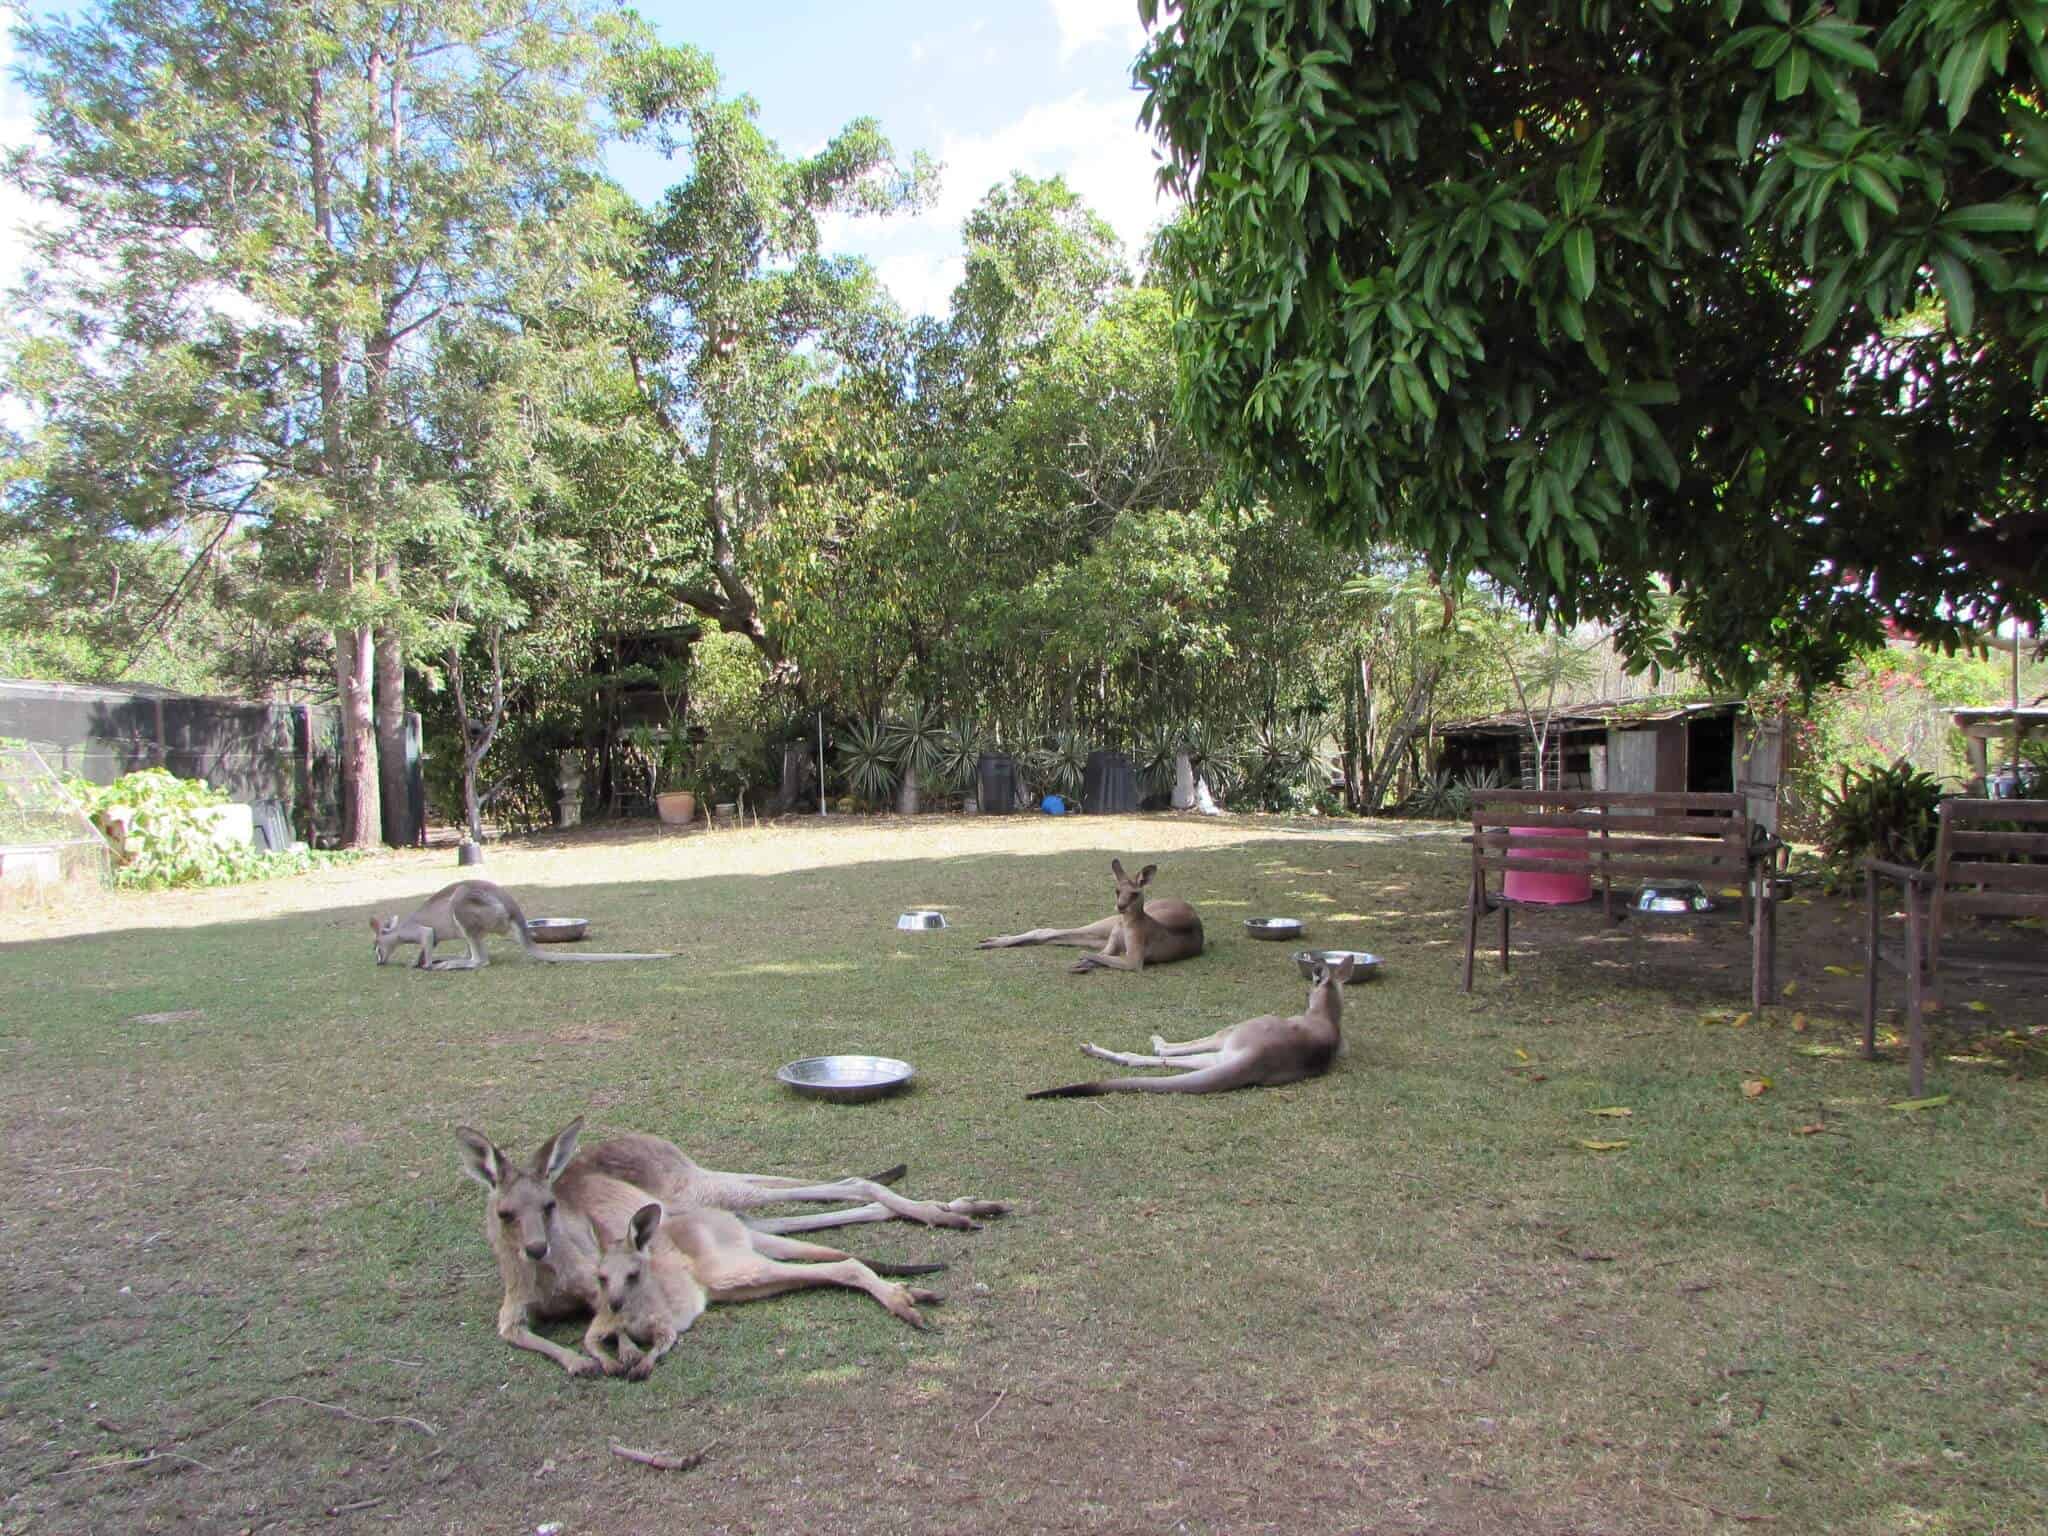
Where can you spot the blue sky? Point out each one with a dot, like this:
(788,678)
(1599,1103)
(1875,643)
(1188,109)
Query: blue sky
(986,88)
(1040,86)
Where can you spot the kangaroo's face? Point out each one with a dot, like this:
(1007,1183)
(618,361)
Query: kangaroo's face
(1327,982)
(522,1200)
(386,931)
(622,1270)
(1130,894)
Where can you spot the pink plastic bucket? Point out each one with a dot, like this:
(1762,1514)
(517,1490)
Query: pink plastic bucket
(1553,890)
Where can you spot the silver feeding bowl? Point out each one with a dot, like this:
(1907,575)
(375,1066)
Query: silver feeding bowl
(1662,896)
(1363,966)
(1273,927)
(557,930)
(846,1079)
(919,921)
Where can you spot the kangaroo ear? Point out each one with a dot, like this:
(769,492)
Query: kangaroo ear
(1344,968)
(1116,867)
(644,1224)
(480,1159)
(556,1151)
(1145,875)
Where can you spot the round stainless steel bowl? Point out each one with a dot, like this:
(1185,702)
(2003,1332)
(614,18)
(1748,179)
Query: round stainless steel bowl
(557,930)
(921,920)
(1363,966)
(1273,927)
(846,1079)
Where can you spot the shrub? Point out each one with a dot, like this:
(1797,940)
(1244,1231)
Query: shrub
(1884,813)
(167,831)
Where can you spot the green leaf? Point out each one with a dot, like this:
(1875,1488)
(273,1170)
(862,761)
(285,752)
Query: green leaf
(1578,261)
(2007,218)
(1958,292)
(1962,71)
(1792,73)
(1837,39)
(1933,1102)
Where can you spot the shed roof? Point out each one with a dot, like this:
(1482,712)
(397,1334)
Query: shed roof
(1646,709)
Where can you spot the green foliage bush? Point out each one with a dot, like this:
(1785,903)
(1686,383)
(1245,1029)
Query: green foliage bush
(1884,813)
(172,838)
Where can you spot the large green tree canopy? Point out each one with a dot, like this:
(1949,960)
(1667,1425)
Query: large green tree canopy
(1745,300)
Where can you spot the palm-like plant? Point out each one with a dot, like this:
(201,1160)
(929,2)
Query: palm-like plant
(960,749)
(867,761)
(1158,757)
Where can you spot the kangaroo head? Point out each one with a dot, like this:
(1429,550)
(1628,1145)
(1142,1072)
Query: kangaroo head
(1326,985)
(522,1199)
(1130,894)
(622,1269)
(386,930)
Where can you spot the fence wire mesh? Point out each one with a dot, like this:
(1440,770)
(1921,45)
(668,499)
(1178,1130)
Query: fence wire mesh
(49,848)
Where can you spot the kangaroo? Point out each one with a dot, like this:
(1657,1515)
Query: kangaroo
(656,1279)
(1259,1053)
(547,1223)
(661,1168)
(468,910)
(1135,937)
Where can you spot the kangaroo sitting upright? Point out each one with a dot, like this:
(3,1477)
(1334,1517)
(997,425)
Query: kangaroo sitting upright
(1259,1053)
(1135,937)
(468,910)
(654,1281)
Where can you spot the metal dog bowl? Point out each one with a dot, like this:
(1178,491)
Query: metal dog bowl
(846,1079)
(1363,965)
(1273,927)
(557,930)
(1674,896)
(921,920)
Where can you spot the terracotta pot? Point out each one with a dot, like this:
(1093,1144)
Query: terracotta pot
(677,807)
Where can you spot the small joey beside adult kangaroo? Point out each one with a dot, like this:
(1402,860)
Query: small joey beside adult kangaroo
(655,1281)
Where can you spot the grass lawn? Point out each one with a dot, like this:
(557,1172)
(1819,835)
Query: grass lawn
(249,1291)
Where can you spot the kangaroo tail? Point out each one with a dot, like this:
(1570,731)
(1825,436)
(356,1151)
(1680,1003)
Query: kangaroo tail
(540,953)
(889,1175)
(1212,1079)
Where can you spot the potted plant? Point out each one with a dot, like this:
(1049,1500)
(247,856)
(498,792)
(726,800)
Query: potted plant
(731,760)
(678,780)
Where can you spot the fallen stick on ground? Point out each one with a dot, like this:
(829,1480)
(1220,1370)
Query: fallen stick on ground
(661,1460)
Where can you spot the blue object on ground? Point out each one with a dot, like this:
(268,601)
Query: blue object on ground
(1053,805)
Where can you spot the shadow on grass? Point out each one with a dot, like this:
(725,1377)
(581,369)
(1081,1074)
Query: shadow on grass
(251,1287)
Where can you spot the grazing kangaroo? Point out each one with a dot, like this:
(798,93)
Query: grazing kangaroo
(468,910)
(655,1280)
(1137,936)
(1259,1053)
(547,1223)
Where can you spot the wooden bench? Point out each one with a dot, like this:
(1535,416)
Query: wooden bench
(1625,837)
(1990,860)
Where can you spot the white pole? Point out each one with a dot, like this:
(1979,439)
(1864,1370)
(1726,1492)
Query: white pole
(821,762)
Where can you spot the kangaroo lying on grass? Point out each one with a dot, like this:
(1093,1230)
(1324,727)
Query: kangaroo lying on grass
(1259,1053)
(1137,936)
(468,910)
(655,1281)
(548,1222)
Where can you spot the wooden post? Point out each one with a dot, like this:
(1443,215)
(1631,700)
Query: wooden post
(1871,891)
(1916,1033)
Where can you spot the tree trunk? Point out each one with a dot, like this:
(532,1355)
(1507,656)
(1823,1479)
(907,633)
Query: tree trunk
(906,793)
(394,782)
(354,656)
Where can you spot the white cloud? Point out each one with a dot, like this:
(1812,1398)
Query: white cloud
(1083,23)
(1092,140)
